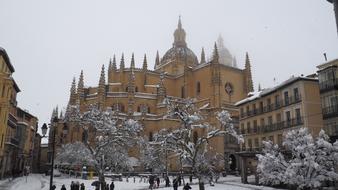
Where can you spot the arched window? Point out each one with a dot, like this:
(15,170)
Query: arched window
(195,137)
(198,88)
(182,92)
(150,136)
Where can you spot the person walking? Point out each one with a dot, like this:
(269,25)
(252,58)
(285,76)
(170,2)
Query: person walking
(158,182)
(72,185)
(167,181)
(186,187)
(175,184)
(112,186)
(63,187)
(151,182)
(82,187)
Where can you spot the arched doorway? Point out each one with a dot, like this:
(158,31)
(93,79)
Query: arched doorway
(232,162)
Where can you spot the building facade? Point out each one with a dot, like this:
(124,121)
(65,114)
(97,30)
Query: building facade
(138,93)
(268,114)
(17,126)
(328,85)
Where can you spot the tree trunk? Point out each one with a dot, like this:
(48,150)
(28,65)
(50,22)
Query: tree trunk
(102,181)
(200,184)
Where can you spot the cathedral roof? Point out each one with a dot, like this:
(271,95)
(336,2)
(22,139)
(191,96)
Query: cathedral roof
(179,49)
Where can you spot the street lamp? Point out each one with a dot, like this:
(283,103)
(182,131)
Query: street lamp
(44,132)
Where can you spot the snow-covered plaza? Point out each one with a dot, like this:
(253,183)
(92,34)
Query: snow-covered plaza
(41,182)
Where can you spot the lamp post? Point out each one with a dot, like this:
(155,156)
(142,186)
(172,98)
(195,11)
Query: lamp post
(44,131)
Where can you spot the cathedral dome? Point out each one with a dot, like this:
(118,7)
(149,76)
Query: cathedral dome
(182,53)
(179,50)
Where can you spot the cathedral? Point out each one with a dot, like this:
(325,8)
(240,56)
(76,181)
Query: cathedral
(138,93)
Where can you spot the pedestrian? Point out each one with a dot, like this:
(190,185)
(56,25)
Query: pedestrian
(53,187)
(175,183)
(158,182)
(112,186)
(179,180)
(190,178)
(107,187)
(167,181)
(82,186)
(186,187)
(77,185)
(72,185)
(151,182)
(63,187)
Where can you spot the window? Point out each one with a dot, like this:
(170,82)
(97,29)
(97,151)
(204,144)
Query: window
(242,128)
(182,92)
(248,127)
(250,144)
(262,122)
(298,116)
(247,110)
(269,104)
(242,112)
(198,88)
(136,89)
(150,136)
(138,108)
(288,117)
(270,120)
(280,140)
(296,94)
(254,108)
(278,117)
(261,107)
(277,104)
(256,143)
(255,126)
(148,109)
(286,98)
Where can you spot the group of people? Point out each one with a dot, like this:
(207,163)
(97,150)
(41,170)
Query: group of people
(176,182)
(152,180)
(77,186)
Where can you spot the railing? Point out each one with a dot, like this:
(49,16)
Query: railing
(12,141)
(328,85)
(278,126)
(272,107)
(330,111)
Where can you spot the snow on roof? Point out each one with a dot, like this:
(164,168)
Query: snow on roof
(255,95)
(152,85)
(115,83)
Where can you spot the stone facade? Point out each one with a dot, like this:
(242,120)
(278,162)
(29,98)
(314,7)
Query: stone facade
(138,93)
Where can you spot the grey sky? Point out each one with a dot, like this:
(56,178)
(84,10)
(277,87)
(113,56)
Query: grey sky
(49,42)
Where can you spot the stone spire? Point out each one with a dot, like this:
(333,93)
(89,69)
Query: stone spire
(157,60)
(161,91)
(248,77)
(215,55)
(234,62)
(202,56)
(259,87)
(72,98)
(101,90)
(132,63)
(114,64)
(111,69)
(122,63)
(145,65)
(179,35)
(80,88)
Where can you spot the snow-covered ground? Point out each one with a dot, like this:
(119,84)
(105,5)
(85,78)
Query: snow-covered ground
(41,182)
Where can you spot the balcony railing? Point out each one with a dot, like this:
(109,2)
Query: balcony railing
(272,107)
(12,141)
(328,85)
(278,126)
(330,111)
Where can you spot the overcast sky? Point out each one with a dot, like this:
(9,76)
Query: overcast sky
(49,42)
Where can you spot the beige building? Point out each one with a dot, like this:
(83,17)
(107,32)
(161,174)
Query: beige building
(328,85)
(139,92)
(17,126)
(268,114)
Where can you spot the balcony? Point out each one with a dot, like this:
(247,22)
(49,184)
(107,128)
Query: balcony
(328,85)
(12,141)
(278,126)
(272,107)
(330,111)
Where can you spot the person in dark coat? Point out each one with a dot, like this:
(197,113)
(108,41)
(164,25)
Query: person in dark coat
(53,187)
(175,183)
(179,180)
(82,187)
(158,182)
(72,185)
(63,187)
(112,186)
(186,187)
(167,181)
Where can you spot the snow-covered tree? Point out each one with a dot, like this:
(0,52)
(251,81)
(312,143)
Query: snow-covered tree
(153,156)
(194,150)
(272,165)
(313,161)
(112,138)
